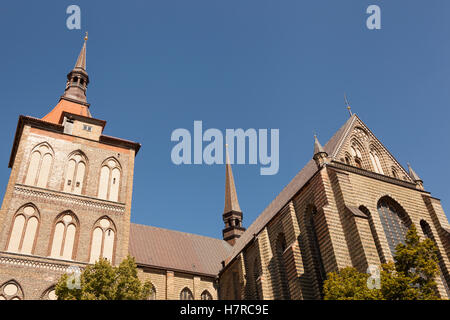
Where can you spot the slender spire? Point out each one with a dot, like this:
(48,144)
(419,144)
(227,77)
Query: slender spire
(81,61)
(231,200)
(320,155)
(317,146)
(232,214)
(413,174)
(78,79)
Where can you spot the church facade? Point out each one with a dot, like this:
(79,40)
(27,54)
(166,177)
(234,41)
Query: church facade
(68,203)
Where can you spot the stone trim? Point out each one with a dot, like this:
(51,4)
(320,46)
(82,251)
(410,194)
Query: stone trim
(69,198)
(374,175)
(26,261)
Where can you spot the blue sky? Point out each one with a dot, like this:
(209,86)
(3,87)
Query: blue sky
(156,66)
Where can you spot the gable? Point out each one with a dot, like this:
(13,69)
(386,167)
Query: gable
(353,132)
(360,147)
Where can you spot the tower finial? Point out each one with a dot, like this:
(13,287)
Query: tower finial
(78,79)
(348,105)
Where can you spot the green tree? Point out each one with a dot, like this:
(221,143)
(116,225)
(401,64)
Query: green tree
(410,277)
(102,281)
(349,284)
(416,268)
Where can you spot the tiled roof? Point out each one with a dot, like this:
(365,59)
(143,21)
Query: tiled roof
(64,105)
(290,190)
(174,250)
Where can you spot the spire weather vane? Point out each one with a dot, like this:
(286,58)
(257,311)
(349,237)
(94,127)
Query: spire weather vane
(348,105)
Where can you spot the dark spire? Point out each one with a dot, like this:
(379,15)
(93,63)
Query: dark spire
(78,79)
(232,214)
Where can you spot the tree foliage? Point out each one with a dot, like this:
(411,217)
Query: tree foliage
(102,281)
(410,277)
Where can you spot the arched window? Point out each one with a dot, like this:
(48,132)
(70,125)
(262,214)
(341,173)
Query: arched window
(11,290)
(49,294)
(64,236)
(376,164)
(103,240)
(24,230)
(109,184)
(357,155)
(394,221)
(152,295)
(394,173)
(206,295)
(375,237)
(347,159)
(186,294)
(443,272)
(39,167)
(280,248)
(75,173)
(256,280)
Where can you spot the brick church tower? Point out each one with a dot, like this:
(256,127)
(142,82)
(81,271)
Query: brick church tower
(68,199)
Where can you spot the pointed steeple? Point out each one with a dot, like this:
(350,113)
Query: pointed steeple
(231,200)
(232,214)
(81,61)
(415,177)
(320,156)
(317,146)
(78,79)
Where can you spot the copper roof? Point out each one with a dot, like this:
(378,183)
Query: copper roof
(290,190)
(81,61)
(178,251)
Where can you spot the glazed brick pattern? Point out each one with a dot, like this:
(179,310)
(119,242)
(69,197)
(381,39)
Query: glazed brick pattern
(344,239)
(169,284)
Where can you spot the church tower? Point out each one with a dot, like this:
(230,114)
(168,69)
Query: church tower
(68,199)
(232,214)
